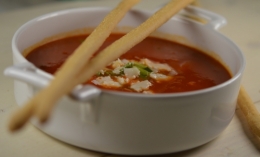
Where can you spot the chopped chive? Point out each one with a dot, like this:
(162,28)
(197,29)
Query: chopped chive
(143,67)
(129,65)
(144,73)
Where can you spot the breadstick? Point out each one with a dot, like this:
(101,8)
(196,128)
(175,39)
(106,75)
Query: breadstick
(132,38)
(120,46)
(195,3)
(71,67)
(249,110)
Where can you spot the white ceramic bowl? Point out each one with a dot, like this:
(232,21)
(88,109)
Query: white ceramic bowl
(127,123)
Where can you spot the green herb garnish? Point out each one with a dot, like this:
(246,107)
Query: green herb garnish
(144,70)
(129,65)
(144,73)
(141,66)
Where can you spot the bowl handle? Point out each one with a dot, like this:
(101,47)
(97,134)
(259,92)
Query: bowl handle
(213,20)
(208,18)
(28,73)
(85,93)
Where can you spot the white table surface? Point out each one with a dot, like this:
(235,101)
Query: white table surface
(236,141)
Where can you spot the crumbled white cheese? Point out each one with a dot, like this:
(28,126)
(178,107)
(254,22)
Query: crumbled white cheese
(131,73)
(156,65)
(125,61)
(158,76)
(122,80)
(148,92)
(117,63)
(140,86)
(173,72)
(102,72)
(117,70)
(106,81)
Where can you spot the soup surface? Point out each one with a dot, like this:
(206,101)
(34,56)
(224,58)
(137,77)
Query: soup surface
(153,66)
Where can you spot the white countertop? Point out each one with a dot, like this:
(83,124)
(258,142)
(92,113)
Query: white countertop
(236,141)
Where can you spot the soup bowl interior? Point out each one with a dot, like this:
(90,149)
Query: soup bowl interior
(136,124)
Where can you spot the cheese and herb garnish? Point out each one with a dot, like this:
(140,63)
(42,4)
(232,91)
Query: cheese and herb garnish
(134,75)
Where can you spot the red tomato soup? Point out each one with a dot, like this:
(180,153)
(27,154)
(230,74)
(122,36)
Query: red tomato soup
(153,66)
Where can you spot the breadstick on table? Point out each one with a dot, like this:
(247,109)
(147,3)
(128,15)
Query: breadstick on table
(71,67)
(119,47)
(249,110)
